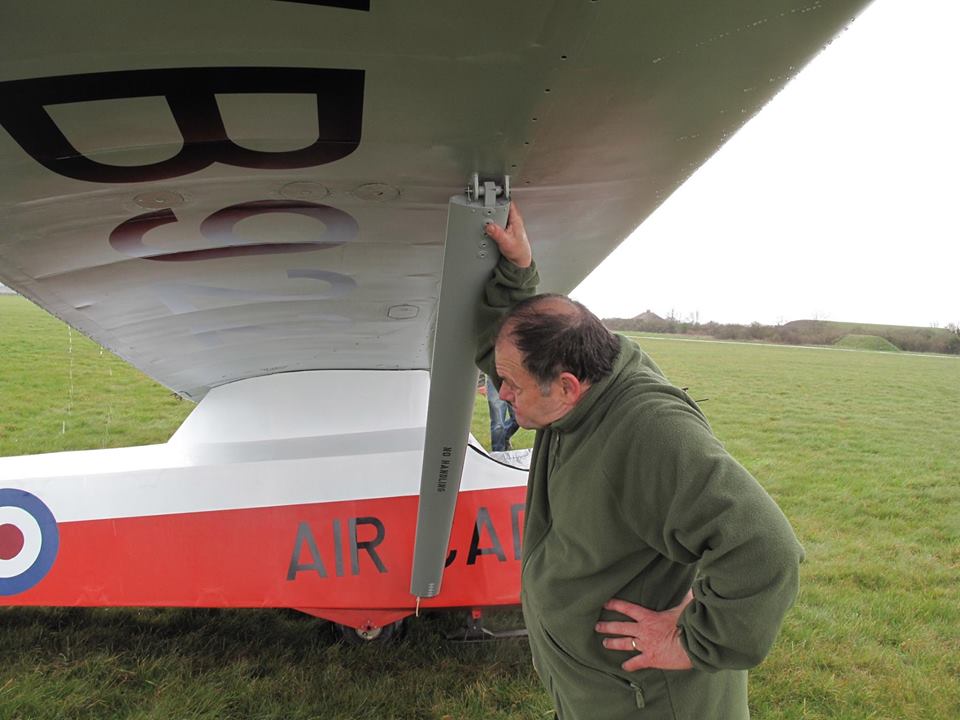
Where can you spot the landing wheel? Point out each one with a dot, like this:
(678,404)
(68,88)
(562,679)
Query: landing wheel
(370,633)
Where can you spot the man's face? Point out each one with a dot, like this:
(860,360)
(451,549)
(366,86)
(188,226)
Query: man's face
(533,409)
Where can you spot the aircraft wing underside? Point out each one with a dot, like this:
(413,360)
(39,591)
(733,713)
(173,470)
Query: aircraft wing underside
(222,190)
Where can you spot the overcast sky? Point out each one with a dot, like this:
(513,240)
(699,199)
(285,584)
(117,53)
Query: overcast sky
(839,200)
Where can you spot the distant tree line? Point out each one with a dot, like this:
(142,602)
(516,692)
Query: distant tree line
(799,332)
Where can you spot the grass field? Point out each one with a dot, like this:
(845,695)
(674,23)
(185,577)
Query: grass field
(861,450)
(59,391)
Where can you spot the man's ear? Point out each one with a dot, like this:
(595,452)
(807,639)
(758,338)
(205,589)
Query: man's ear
(571,387)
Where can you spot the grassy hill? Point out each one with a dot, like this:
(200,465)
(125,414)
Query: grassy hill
(862,328)
(912,339)
(866,342)
(800,332)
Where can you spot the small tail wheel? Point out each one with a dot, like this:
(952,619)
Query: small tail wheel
(370,633)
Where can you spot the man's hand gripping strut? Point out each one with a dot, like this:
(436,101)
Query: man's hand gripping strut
(512,240)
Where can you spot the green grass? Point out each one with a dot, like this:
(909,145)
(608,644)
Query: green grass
(229,664)
(866,342)
(480,427)
(60,391)
(861,450)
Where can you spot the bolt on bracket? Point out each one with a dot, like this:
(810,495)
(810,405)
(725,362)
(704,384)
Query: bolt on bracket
(488,190)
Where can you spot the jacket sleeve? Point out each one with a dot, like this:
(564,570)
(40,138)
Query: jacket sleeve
(508,285)
(707,509)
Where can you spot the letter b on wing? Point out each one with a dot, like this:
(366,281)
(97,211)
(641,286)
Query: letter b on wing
(191,95)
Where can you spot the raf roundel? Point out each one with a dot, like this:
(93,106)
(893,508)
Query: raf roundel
(29,540)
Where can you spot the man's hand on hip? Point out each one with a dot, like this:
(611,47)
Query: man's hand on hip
(653,638)
(512,240)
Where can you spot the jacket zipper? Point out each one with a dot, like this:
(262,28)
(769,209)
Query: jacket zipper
(553,449)
(627,685)
(554,454)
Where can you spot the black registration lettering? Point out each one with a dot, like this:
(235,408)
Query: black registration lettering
(191,95)
(340,227)
(495,548)
(368,546)
(305,541)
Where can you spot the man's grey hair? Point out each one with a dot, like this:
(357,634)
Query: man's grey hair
(555,334)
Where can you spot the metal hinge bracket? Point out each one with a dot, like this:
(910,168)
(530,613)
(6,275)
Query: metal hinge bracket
(488,190)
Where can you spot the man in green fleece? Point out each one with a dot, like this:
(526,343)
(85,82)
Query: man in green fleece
(655,569)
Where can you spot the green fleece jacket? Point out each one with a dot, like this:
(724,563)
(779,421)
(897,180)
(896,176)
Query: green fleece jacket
(630,495)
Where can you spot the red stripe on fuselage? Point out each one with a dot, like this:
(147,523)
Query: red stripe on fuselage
(354,554)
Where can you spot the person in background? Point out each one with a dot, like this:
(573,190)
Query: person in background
(503,421)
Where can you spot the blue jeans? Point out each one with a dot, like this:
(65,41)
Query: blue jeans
(503,423)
